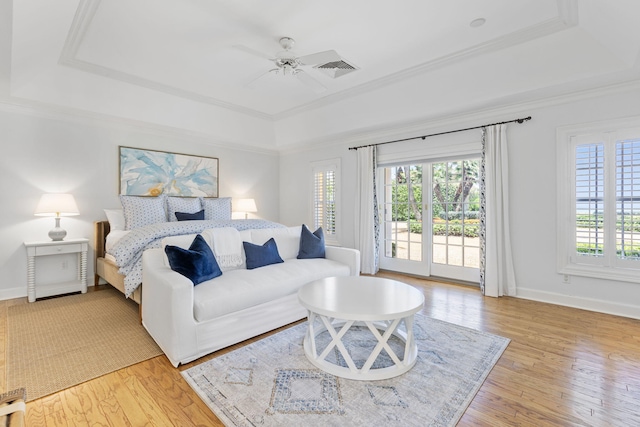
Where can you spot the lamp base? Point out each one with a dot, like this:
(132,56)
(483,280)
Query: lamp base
(57,234)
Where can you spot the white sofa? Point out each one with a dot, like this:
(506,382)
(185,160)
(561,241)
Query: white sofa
(188,321)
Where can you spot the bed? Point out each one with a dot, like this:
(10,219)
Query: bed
(144,222)
(105,267)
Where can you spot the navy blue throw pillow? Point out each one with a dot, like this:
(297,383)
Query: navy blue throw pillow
(311,244)
(198,216)
(196,263)
(259,256)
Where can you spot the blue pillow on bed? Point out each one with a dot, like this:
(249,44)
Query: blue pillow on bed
(196,263)
(261,255)
(311,244)
(183,216)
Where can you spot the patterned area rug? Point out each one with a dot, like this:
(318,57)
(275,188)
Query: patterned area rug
(271,382)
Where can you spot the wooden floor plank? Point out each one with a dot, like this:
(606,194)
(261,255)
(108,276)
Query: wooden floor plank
(564,366)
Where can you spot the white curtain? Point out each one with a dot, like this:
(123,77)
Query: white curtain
(367,225)
(498,277)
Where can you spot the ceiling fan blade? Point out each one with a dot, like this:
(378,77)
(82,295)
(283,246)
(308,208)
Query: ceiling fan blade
(253,52)
(319,58)
(310,82)
(252,80)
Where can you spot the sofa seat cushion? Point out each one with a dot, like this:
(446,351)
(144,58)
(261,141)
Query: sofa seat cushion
(237,290)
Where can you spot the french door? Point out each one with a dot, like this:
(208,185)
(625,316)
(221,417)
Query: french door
(430,215)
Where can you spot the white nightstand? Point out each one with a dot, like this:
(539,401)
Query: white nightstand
(47,248)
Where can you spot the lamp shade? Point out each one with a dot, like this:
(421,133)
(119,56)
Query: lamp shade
(56,204)
(245,205)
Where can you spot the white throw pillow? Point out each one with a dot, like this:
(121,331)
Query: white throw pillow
(115,218)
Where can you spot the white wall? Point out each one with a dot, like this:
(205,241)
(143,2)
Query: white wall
(533,207)
(533,192)
(54,153)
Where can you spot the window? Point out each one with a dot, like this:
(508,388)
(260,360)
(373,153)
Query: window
(326,177)
(599,200)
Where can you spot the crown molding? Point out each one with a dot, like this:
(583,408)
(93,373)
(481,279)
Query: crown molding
(68,57)
(567,18)
(77,116)
(504,109)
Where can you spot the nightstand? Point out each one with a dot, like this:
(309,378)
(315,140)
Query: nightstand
(50,248)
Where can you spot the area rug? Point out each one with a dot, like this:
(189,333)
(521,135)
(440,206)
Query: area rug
(271,382)
(57,343)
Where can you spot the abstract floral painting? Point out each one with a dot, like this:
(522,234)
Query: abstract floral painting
(151,173)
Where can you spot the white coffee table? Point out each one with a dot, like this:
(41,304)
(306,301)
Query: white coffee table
(339,303)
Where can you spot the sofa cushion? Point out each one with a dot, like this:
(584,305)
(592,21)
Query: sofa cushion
(240,289)
(196,263)
(311,244)
(185,216)
(287,239)
(261,255)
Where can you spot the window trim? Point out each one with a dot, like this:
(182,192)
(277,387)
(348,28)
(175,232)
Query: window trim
(567,137)
(325,166)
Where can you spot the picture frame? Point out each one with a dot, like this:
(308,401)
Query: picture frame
(152,173)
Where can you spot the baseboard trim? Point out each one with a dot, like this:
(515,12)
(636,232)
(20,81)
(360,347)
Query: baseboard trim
(15,293)
(616,309)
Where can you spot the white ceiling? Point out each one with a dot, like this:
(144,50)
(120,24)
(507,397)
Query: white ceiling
(145,59)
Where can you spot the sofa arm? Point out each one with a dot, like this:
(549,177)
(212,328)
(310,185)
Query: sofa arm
(167,307)
(348,256)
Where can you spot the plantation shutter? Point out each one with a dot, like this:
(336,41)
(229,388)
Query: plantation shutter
(589,223)
(325,198)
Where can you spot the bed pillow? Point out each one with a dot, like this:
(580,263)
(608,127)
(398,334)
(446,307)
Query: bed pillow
(216,208)
(140,211)
(261,255)
(183,216)
(196,263)
(182,204)
(311,244)
(115,218)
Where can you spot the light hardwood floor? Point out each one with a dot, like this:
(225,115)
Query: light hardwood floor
(563,367)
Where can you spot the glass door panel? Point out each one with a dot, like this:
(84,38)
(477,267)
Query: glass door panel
(455,219)
(440,238)
(402,220)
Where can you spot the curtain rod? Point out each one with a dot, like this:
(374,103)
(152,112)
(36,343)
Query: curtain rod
(442,133)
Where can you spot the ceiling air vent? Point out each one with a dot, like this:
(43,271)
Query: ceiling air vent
(336,69)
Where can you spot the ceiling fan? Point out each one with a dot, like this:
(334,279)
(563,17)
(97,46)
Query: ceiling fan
(287,63)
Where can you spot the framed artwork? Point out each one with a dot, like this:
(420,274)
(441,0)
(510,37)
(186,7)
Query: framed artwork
(151,173)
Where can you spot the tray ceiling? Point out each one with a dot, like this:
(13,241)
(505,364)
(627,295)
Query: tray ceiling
(95,55)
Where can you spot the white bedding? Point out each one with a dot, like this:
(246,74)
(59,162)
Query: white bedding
(113,237)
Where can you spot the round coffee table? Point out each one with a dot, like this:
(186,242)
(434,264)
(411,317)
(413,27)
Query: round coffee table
(337,304)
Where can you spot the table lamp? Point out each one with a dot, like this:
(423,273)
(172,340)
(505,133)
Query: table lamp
(246,206)
(57,204)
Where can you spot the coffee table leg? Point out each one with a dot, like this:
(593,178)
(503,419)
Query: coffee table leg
(311,333)
(337,341)
(410,342)
(382,343)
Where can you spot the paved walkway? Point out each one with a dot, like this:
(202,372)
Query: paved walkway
(410,245)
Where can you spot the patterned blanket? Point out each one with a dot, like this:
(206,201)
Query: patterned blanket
(128,251)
